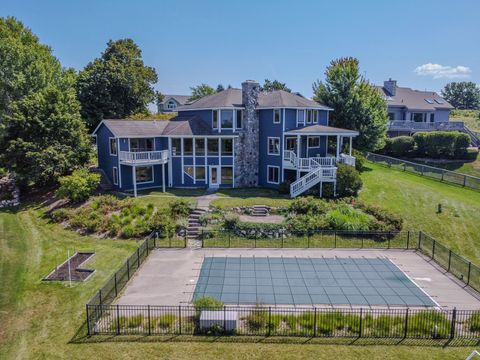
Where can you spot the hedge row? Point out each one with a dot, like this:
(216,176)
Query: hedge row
(435,144)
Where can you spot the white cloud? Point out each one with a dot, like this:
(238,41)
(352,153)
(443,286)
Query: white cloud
(438,71)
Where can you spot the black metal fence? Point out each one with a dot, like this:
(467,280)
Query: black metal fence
(425,170)
(274,321)
(117,282)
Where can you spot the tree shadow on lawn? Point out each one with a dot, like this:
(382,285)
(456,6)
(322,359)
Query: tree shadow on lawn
(246,193)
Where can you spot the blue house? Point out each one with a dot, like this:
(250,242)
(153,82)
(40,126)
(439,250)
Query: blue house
(235,138)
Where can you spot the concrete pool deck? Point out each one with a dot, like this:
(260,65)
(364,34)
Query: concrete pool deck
(169,276)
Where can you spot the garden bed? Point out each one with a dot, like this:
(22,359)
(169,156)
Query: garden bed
(70,269)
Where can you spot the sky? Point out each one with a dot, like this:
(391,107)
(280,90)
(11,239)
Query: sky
(423,44)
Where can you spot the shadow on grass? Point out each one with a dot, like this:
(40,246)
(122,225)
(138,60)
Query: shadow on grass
(251,192)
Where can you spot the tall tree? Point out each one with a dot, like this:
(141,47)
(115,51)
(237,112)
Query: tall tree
(274,85)
(43,135)
(462,95)
(220,88)
(356,104)
(115,85)
(200,91)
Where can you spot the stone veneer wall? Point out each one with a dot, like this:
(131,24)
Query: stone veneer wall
(247,144)
(9,193)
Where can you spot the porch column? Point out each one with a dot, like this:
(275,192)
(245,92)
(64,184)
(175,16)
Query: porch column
(350,147)
(163,177)
(338,147)
(134,170)
(298,156)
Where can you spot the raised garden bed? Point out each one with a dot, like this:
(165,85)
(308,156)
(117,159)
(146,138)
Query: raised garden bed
(61,272)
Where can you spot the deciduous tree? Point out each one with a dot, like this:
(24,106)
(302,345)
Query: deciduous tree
(462,95)
(274,85)
(200,91)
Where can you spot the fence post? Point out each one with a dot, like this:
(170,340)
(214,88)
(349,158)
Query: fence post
(229,240)
(443,173)
(149,322)
(421,167)
(116,290)
(269,320)
(224,319)
(283,236)
(335,239)
(118,320)
(88,320)
(452,326)
(314,322)
(138,258)
(203,239)
(308,239)
(464,180)
(469,269)
(388,244)
(449,259)
(408,238)
(406,325)
(147,246)
(255,239)
(100,296)
(128,268)
(433,249)
(180,319)
(155,240)
(419,240)
(361,321)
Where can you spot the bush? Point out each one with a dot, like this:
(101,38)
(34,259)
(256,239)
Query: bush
(78,186)
(284,187)
(359,160)
(387,149)
(345,217)
(307,222)
(462,142)
(165,321)
(402,146)
(231,221)
(308,205)
(349,182)
(384,219)
(179,208)
(206,302)
(442,144)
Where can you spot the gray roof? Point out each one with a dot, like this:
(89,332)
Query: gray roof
(181,99)
(415,99)
(322,129)
(233,98)
(178,126)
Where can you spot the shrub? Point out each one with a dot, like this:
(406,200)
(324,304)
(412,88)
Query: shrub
(345,217)
(308,205)
(359,160)
(162,222)
(284,187)
(307,222)
(61,215)
(402,146)
(78,186)
(442,144)
(231,221)
(384,219)
(349,182)
(179,208)
(462,142)
(206,302)
(387,149)
(165,321)
(474,322)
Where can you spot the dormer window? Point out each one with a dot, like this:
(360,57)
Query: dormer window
(277,116)
(227,119)
(309,116)
(239,124)
(315,116)
(171,105)
(215,119)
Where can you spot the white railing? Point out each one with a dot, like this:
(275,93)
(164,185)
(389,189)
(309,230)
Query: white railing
(306,164)
(347,160)
(133,157)
(289,157)
(413,125)
(311,179)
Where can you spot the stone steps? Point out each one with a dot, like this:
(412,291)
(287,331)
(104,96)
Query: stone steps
(260,210)
(194,227)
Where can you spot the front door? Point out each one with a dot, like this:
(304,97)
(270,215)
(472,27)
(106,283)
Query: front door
(214,176)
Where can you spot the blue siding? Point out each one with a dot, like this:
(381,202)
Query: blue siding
(105,160)
(269,129)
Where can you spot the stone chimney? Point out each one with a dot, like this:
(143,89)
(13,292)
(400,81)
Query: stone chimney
(247,144)
(391,86)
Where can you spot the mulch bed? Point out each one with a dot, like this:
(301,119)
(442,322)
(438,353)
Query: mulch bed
(77,273)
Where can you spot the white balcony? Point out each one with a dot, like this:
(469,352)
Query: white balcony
(407,125)
(143,157)
(291,161)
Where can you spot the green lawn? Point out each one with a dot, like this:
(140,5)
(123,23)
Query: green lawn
(163,199)
(416,199)
(248,197)
(469,167)
(470,117)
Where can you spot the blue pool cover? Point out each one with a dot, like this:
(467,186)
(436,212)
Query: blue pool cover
(307,281)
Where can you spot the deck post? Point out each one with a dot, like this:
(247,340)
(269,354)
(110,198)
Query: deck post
(163,177)
(350,147)
(134,174)
(338,147)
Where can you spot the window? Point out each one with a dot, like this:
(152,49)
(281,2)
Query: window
(300,117)
(215,119)
(212,147)
(227,175)
(113,146)
(144,174)
(239,119)
(273,174)
(439,101)
(291,144)
(391,116)
(200,173)
(188,146)
(141,144)
(227,119)
(432,117)
(277,116)
(417,117)
(430,101)
(227,147)
(176,147)
(188,170)
(115,176)
(273,146)
(309,116)
(314,141)
(199,147)
(171,105)
(315,116)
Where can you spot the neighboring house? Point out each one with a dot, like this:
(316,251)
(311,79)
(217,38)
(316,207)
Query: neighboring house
(172,102)
(235,138)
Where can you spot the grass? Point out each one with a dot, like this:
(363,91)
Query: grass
(468,167)
(161,199)
(249,197)
(416,199)
(470,117)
